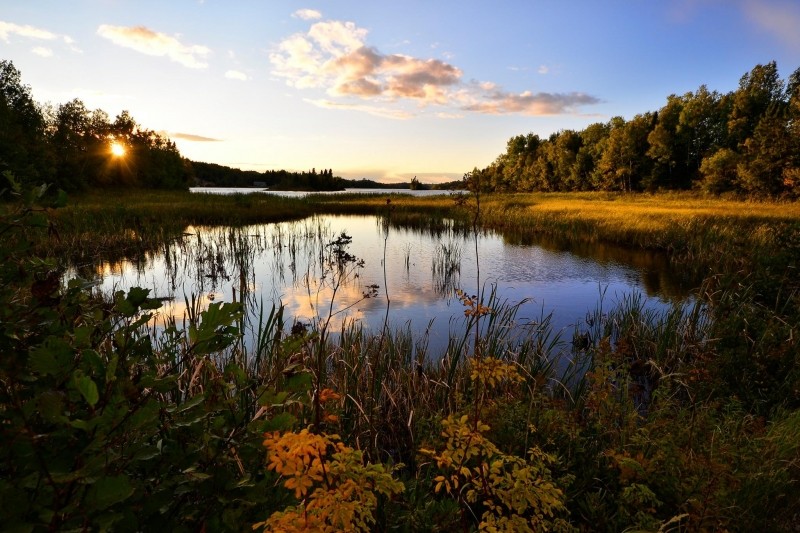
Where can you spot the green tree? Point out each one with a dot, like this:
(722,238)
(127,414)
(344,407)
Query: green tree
(668,148)
(77,137)
(765,156)
(719,171)
(703,127)
(624,160)
(23,149)
(758,91)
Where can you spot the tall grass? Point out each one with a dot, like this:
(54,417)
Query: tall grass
(685,417)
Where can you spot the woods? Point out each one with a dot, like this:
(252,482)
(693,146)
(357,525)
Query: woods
(746,141)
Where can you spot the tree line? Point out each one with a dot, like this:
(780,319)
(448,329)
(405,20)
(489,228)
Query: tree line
(746,141)
(212,174)
(69,146)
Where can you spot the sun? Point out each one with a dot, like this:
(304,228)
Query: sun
(117,150)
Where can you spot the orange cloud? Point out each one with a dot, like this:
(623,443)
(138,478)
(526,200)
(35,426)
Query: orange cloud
(191,137)
(334,56)
(147,41)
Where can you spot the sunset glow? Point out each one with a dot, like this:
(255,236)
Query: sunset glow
(117,150)
(376,92)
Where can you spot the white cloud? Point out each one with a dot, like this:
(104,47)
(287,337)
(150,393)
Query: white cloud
(7,29)
(307,14)
(147,41)
(29,32)
(335,56)
(43,51)
(236,75)
(384,112)
(543,69)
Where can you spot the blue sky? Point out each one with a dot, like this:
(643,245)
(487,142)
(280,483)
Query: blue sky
(384,90)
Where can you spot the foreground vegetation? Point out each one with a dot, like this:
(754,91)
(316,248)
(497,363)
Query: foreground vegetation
(683,421)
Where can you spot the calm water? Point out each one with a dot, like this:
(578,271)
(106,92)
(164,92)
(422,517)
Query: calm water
(287,263)
(301,194)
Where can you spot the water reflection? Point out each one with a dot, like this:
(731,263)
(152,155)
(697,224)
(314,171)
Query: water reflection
(408,277)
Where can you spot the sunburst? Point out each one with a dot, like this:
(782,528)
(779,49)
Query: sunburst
(117,149)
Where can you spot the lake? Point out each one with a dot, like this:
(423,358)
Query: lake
(295,264)
(302,194)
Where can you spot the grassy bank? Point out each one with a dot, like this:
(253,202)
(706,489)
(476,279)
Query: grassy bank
(687,420)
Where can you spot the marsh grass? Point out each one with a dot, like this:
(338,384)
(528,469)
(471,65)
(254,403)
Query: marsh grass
(685,418)
(104,224)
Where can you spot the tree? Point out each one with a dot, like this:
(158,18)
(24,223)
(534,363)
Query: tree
(624,161)
(23,148)
(765,156)
(668,148)
(719,171)
(76,138)
(759,90)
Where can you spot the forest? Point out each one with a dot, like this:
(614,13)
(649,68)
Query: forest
(746,141)
(67,145)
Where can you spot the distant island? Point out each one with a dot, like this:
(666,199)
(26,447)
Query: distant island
(214,175)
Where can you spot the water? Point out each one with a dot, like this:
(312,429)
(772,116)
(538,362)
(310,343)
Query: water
(302,194)
(292,264)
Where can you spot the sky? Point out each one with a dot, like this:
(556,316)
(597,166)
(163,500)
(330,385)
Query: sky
(384,90)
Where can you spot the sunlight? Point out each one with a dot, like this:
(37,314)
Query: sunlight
(117,149)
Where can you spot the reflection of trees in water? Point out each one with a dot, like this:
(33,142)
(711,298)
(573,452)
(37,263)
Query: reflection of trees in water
(658,276)
(286,263)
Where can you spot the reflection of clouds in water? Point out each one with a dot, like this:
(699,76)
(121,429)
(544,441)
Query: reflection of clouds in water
(178,309)
(275,264)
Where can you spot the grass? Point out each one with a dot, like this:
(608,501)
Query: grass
(685,419)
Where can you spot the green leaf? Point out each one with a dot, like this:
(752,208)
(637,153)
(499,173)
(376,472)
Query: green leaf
(270,398)
(137,296)
(280,422)
(124,307)
(53,357)
(83,335)
(108,491)
(38,220)
(86,387)
(51,406)
(60,200)
(195,401)
(299,382)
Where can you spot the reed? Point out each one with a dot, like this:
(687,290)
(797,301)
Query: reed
(685,418)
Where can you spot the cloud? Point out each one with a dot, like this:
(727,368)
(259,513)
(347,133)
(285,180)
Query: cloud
(7,29)
(43,51)
(29,32)
(543,69)
(334,56)
(384,112)
(449,115)
(236,75)
(307,14)
(527,103)
(191,137)
(153,43)
(781,19)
